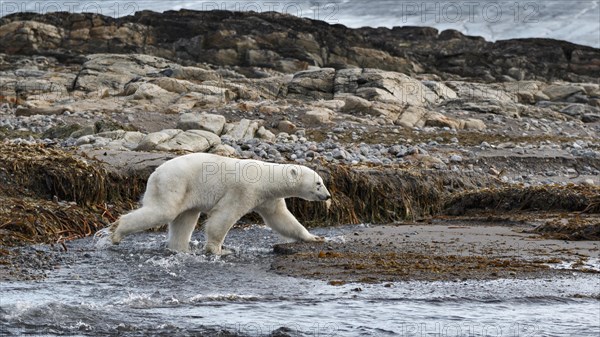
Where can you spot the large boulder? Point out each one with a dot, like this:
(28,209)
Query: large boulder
(383,86)
(265,134)
(413,116)
(317,116)
(403,88)
(202,121)
(244,129)
(286,126)
(151,140)
(224,150)
(117,139)
(122,139)
(472,124)
(437,119)
(557,92)
(191,141)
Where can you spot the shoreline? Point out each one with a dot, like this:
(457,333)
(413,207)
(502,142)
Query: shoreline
(441,249)
(446,250)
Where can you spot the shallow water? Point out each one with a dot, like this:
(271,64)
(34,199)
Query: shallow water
(139,288)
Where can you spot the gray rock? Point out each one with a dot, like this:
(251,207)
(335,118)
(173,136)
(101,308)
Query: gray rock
(481,92)
(122,139)
(498,107)
(516,73)
(247,154)
(590,118)
(412,117)
(395,149)
(244,129)
(574,110)
(472,124)
(115,70)
(317,116)
(151,140)
(392,87)
(339,154)
(212,138)
(223,150)
(191,140)
(286,126)
(265,134)
(558,91)
(357,105)
(312,84)
(86,130)
(202,121)
(442,91)
(589,182)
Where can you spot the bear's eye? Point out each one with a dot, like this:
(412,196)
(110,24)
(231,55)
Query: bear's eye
(319,183)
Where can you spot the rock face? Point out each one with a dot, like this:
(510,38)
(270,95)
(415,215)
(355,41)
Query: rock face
(280,88)
(317,84)
(291,44)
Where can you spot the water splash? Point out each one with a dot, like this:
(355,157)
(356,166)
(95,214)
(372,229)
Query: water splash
(102,239)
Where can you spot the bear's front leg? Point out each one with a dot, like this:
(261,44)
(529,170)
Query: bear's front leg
(279,218)
(115,237)
(314,238)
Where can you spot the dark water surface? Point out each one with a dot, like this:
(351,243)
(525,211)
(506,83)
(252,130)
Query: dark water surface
(139,289)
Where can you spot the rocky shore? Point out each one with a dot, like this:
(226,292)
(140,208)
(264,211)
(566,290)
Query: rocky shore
(407,123)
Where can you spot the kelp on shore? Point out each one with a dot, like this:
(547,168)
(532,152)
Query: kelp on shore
(51,195)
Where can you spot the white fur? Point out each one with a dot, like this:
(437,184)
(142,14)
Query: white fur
(226,189)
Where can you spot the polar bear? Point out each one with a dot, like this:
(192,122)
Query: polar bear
(226,189)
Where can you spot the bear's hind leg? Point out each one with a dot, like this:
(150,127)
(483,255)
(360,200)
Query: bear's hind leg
(141,219)
(279,218)
(181,229)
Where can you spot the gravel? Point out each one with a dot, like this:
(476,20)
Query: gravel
(434,152)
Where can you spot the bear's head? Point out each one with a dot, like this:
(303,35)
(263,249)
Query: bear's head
(309,185)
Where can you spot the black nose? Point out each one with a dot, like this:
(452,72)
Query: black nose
(328,197)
